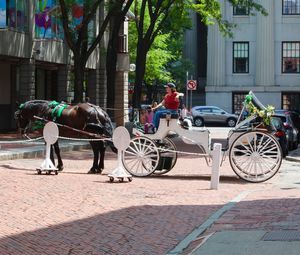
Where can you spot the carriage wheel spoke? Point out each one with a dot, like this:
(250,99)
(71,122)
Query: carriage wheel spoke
(255,156)
(141,157)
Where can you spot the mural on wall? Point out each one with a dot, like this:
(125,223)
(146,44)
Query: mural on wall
(2,13)
(47,22)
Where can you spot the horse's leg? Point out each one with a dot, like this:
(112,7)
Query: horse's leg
(52,155)
(94,168)
(60,165)
(101,150)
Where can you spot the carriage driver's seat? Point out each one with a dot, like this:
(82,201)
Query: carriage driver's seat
(169,116)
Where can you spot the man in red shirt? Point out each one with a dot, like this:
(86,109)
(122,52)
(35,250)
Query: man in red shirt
(170,102)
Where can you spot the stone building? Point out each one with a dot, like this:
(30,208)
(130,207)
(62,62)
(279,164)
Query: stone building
(35,62)
(263,56)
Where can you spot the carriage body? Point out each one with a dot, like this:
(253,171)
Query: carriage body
(254,154)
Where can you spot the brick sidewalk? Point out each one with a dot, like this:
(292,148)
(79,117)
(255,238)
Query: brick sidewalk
(76,213)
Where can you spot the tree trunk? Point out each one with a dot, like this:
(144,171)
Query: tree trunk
(139,75)
(111,63)
(78,80)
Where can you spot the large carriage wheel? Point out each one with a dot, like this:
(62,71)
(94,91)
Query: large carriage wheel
(168,155)
(141,157)
(255,156)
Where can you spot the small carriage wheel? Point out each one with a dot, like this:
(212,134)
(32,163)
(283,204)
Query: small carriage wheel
(255,156)
(141,157)
(166,144)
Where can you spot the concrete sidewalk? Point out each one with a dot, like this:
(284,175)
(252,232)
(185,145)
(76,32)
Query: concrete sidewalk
(264,222)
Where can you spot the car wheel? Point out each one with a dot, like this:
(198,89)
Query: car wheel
(295,145)
(231,122)
(198,122)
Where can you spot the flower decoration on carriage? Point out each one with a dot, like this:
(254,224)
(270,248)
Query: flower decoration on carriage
(264,114)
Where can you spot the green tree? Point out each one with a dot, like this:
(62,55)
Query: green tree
(79,37)
(161,13)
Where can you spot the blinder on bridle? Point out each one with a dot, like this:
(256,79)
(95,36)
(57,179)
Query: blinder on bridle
(18,117)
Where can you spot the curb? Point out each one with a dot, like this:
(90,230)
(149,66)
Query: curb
(293,159)
(39,151)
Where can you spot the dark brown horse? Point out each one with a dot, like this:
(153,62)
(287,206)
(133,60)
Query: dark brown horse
(90,119)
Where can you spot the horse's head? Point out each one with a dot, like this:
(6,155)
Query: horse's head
(26,113)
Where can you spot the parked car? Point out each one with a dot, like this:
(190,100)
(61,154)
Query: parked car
(295,118)
(212,114)
(291,130)
(281,134)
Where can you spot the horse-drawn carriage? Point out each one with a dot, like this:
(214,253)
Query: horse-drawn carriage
(254,153)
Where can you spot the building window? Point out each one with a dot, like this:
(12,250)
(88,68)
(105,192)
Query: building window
(15,16)
(240,10)
(240,57)
(238,99)
(290,7)
(3,14)
(290,57)
(291,101)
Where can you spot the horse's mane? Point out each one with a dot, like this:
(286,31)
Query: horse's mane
(40,105)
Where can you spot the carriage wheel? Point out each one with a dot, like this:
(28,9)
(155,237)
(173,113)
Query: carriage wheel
(141,157)
(255,156)
(166,144)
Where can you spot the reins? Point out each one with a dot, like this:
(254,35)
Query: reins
(73,129)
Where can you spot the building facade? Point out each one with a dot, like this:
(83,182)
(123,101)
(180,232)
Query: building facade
(35,62)
(263,56)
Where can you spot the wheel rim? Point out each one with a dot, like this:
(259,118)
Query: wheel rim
(231,123)
(141,157)
(168,144)
(198,122)
(255,156)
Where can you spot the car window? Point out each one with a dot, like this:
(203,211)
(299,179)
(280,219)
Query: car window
(205,109)
(283,118)
(277,123)
(217,110)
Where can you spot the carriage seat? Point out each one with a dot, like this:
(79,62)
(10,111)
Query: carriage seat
(172,115)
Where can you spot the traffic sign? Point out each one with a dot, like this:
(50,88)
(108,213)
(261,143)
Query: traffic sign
(191,85)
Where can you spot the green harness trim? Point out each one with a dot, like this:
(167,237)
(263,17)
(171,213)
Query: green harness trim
(58,109)
(38,124)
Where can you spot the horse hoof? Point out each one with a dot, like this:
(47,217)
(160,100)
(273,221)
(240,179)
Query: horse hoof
(92,171)
(99,171)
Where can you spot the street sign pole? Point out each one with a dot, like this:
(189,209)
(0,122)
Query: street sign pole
(191,97)
(186,90)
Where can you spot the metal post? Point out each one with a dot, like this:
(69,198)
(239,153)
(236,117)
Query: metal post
(215,168)
(191,97)
(186,90)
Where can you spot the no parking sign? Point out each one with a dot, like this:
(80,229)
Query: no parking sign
(191,85)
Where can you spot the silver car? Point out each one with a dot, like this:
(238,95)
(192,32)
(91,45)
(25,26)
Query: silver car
(212,114)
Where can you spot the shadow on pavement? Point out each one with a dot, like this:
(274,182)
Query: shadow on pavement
(147,229)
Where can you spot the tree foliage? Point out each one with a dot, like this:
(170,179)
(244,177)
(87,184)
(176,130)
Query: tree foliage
(78,36)
(166,16)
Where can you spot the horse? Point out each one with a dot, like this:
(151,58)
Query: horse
(84,120)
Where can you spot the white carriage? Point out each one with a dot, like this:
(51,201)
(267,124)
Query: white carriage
(254,153)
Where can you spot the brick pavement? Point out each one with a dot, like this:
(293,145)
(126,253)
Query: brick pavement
(273,207)
(76,213)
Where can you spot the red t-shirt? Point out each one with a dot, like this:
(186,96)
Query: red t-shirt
(170,101)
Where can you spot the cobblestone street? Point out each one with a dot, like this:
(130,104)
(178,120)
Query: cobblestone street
(77,213)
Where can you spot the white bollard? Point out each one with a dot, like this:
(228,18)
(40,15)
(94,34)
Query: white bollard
(215,168)
(50,133)
(121,140)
